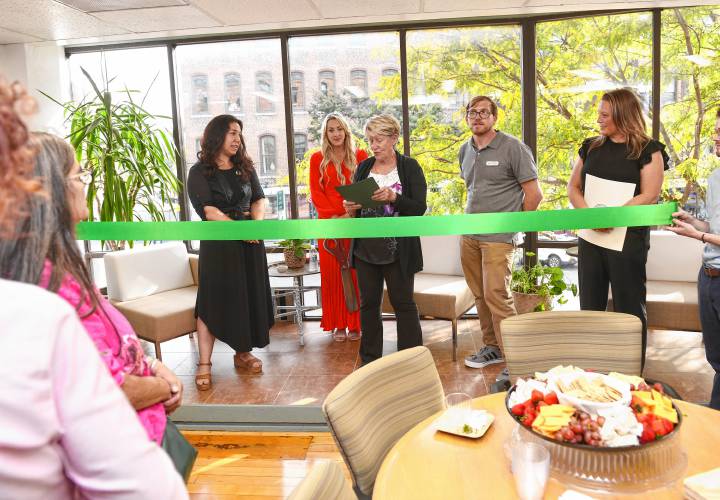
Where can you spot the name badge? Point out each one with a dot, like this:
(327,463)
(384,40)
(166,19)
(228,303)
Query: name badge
(492,163)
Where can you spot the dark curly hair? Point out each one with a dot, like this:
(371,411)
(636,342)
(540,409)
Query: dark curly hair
(212,142)
(16,156)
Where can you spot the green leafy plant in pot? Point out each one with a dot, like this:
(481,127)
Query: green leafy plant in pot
(131,159)
(294,252)
(535,287)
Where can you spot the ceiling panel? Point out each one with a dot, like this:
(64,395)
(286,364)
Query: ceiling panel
(244,12)
(52,21)
(8,36)
(334,9)
(104,5)
(159,19)
(459,5)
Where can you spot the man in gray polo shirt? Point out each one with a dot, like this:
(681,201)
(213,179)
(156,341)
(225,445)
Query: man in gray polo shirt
(500,176)
(709,278)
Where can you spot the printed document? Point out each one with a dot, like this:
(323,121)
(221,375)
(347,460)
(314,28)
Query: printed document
(604,193)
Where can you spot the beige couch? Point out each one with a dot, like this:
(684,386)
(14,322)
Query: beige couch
(672,270)
(155,287)
(440,289)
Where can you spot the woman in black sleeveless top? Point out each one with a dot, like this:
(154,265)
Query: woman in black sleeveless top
(625,153)
(233,302)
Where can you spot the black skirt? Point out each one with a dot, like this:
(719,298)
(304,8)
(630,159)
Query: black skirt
(234,299)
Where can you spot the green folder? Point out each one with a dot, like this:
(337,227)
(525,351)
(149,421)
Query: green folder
(360,192)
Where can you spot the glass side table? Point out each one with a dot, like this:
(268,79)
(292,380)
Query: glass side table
(296,291)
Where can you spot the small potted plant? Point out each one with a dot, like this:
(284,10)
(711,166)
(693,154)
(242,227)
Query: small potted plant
(294,252)
(535,287)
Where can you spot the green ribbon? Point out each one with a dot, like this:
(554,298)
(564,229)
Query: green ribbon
(439,225)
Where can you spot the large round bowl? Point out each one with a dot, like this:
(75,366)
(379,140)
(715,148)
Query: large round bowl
(625,469)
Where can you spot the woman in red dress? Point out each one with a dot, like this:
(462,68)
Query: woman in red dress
(333,166)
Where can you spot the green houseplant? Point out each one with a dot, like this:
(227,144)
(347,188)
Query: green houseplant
(534,287)
(294,252)
(130,159)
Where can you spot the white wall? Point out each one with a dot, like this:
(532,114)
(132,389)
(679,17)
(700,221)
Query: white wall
(39,68)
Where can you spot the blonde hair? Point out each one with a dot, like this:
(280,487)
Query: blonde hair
(626,112)
(384,124)
(348,159)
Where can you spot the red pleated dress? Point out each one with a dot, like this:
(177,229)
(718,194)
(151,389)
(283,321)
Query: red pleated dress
(328,203)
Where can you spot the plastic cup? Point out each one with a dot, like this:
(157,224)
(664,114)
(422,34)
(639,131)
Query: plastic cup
(458,408)
(531,468)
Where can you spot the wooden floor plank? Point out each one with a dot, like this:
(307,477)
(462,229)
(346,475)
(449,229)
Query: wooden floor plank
(255,466)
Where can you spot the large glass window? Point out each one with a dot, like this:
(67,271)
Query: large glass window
(446,67)
(297,90)
(362,89)
(577,61)
(147,85)
(233,94)
(689,101)
(260,60)
(264,90)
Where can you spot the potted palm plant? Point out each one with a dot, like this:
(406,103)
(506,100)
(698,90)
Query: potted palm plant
(131,159)
(294,252)
(535,287)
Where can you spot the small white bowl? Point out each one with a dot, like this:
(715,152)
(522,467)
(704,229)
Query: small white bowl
(282,268)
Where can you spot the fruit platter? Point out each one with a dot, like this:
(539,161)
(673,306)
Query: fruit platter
(604,431)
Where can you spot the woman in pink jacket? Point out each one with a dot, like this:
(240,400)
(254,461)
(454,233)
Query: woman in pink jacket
(66,431)
(51,258)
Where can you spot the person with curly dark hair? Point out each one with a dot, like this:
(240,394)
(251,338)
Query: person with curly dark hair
(233,301)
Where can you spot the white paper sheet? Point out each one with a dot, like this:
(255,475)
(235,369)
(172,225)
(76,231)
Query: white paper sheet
(604,193)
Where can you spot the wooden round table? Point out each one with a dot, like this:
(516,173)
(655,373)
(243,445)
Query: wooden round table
(426,464)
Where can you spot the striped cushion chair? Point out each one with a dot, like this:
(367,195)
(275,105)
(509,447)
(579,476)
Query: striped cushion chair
(325,481)
(376,405)
(597,340)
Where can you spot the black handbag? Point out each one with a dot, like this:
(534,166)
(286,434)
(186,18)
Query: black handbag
(181,452)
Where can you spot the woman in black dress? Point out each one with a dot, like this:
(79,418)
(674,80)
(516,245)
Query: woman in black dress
(233,302)
(625,153)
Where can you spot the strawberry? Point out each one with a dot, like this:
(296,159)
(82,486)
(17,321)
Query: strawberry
(647,434)
(658,428)
(669,426)
(536,396)
(551,398)
(518,410)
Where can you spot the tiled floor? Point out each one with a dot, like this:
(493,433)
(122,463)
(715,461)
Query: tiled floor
(304,375)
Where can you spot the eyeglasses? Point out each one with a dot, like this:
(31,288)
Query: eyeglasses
(483,113)
(84,176)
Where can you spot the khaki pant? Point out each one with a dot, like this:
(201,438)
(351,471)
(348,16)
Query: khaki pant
(488,269)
